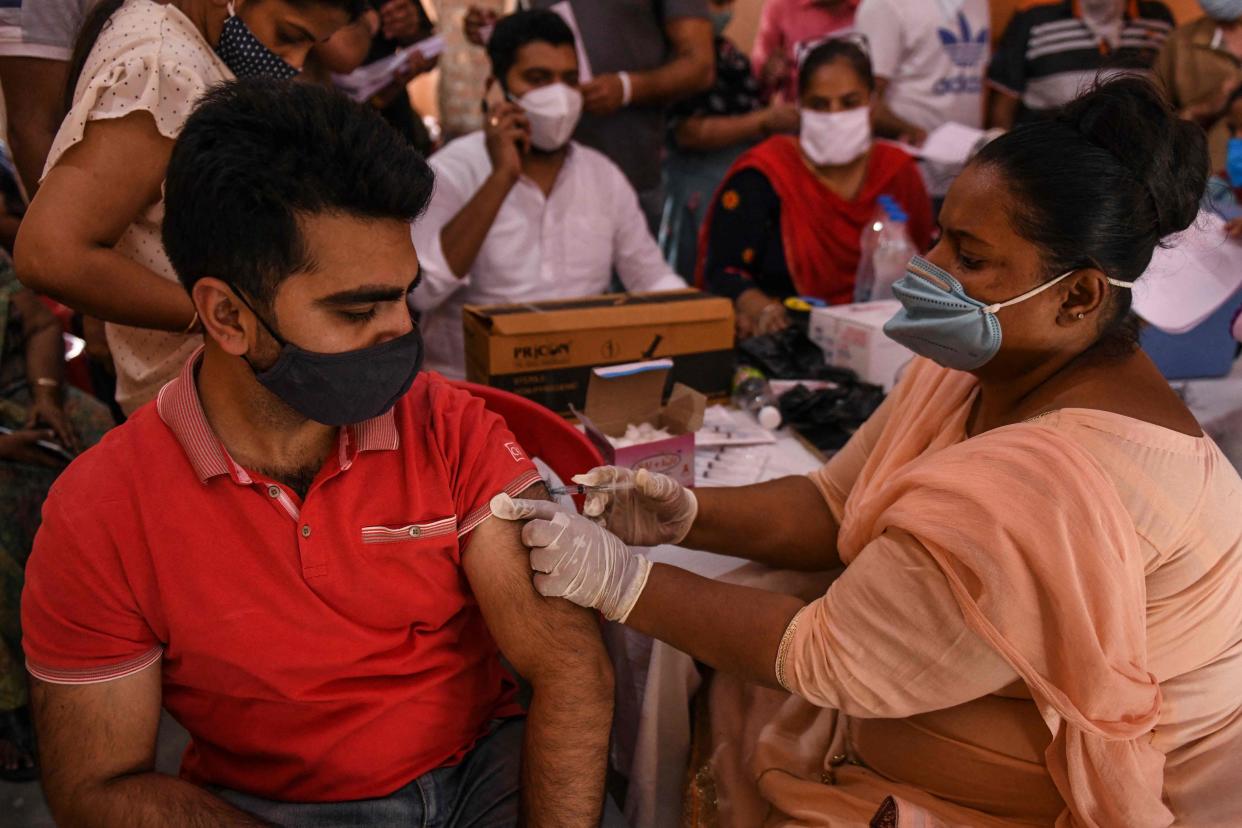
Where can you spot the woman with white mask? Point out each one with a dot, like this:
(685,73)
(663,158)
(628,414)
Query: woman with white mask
(789,217)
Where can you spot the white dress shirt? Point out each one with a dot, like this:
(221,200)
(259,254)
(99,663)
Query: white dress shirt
(562,246)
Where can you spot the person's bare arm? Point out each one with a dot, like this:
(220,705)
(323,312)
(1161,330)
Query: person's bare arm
(507,133)
(45,368)
(97,751)
(799,531)
(888,125)
(690,69)
(556,646)
(45,347)
(735,629)
(87,201)
(348,47)
(704,133)
(1002,108)
(34,89)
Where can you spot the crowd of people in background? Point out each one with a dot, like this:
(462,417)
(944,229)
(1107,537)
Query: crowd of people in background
(625,146)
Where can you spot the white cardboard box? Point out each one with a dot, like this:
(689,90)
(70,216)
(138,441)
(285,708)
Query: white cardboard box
(852,336)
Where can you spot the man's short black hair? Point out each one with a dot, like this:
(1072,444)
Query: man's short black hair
(516,30)
(258,154)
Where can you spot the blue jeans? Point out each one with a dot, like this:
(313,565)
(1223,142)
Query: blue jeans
(481,792)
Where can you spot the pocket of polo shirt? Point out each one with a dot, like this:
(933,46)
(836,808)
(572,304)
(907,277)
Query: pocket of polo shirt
(410,532)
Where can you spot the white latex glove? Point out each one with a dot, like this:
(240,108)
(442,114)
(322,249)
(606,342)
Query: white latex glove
(576,559)
(656,510)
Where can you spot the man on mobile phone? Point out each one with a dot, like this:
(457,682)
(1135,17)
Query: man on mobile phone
(521,213)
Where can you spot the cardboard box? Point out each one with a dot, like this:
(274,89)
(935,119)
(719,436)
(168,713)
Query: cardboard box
(624,395)
(545,351)
(852,336)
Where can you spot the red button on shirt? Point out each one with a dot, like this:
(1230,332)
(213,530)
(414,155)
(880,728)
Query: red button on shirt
(320,650)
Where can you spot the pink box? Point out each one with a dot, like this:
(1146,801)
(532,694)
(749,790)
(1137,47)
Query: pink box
(622,395)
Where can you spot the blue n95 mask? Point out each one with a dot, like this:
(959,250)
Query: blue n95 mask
(1222,10)
(938,320)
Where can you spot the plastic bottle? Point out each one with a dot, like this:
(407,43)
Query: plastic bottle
(864,278)
(752,393)
(891,255)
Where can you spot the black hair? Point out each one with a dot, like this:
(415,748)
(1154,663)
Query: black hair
(520,28)
(1100,183)
(258,154)
(1234,97)
(830,51)
(97,19)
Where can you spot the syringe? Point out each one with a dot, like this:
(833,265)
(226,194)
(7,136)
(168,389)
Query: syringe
(583,489)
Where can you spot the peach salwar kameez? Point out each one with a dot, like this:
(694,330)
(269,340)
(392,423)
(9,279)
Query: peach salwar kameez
(1041,624)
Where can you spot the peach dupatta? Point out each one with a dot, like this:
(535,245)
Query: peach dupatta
(1044,564)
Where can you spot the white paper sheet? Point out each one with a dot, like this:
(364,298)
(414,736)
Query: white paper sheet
(950,143)
(365,81)
(566,12)
(1189,280)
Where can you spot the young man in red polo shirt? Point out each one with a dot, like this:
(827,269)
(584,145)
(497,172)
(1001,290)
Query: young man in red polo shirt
(291,549)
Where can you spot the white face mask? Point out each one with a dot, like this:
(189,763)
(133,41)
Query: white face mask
(835,138)
(553,111)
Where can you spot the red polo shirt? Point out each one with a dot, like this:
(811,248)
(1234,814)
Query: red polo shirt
(319,650)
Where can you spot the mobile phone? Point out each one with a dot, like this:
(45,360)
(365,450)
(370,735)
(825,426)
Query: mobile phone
(493,96)
(51,447)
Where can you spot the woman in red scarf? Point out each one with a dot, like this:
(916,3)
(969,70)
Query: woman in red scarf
(788,219)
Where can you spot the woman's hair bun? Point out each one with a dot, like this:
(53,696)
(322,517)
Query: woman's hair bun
(1128,117)
(1101,183)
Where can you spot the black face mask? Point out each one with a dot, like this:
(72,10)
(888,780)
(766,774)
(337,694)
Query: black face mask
(345,388)
(246,55)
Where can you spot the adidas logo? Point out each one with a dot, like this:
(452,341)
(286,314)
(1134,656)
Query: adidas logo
(965,48)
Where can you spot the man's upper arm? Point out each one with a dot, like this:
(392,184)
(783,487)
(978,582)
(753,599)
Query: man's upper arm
(91,733)
(691,38)
(447,200)
(636,255)
(537,635)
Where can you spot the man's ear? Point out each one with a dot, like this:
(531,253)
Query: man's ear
(224,317)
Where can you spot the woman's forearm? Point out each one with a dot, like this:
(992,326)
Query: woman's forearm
(711,132)
(45,345)
(45,354)
(782,523)
(103,283)
(733,628)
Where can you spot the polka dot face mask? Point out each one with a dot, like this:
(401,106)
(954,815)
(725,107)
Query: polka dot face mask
(245,54)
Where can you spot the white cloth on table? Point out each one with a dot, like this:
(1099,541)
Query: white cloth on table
(656,682)
(564,246)
(1217,405)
